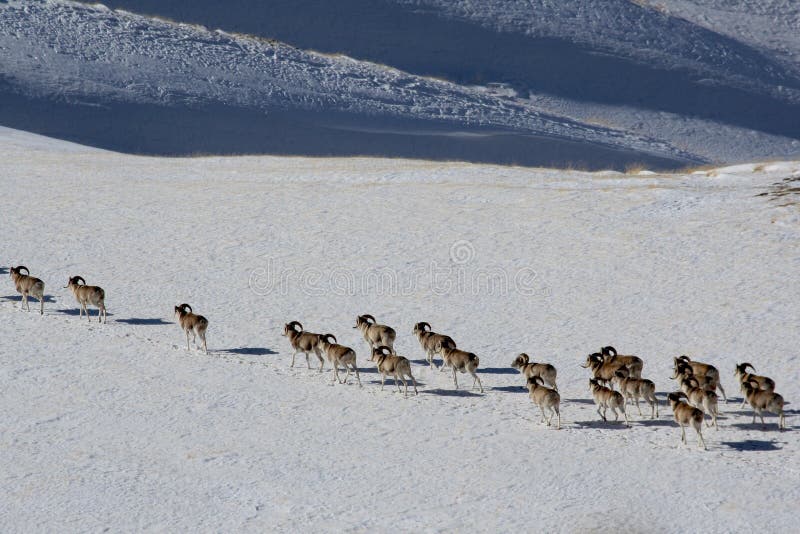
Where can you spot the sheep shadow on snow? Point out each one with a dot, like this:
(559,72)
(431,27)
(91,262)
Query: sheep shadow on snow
(603,425)
(155,321)
(752,445)
(77,311)
(510,389)
(249,351)
(498,371)
(452,392)
(18,298)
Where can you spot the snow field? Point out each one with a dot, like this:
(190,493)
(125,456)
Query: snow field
(119,426)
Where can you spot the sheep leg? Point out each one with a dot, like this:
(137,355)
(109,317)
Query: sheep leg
(308,362)
(683,434)
(335,377)
(397,382)
(405,386)
(382,381)
(724,397)
(603,413)
(202,336)
(25,302)
(700,440)
(558,414)
(636,398)
(357,377)
(414,382)
(293,355)
(321,359)
(187,340)
(478,380)
(455,380)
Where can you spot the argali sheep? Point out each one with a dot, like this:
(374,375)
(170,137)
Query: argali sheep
(544,397)
(764,401)
(683,370)
(396,366)
(686,415)
(302,341)
(339,355)
(192,323)
(605,398)
(703,399)
(462,361)
(28,285)
(604,371)
(633,363)
(376,335)
(530,369)
(703,371)
(86,295)
(634,388)
(742,376)
(431,342)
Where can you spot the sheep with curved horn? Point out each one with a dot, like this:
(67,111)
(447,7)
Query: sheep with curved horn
(702,370)
(303,341)
(741,374)
(388,363)
(701,398)
(463,361)
(28,285)
(603,370)
(529,369)
(709,382)
(339,355)
(764,401)
(86,295)
(193,324)
(686,415)
(375,334)
(634,388)
(633,363)
(544,397)
(431,342)
(605,398)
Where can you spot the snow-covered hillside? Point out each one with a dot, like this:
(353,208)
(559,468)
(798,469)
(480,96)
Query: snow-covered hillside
(542,83)
(118,426)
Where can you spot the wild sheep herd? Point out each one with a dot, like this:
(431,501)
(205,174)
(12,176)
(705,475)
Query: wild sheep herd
(696,398)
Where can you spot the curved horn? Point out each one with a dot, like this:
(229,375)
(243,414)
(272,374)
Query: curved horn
(424,324)
(80,278)
(525,357)
(292,325)
(367,317)
(386,351)
(184,306)
(330,336)
(20,267)
(746,365)
(683,358)
(606,351)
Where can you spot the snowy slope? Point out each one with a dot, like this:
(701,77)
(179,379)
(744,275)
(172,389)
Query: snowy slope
(717,89)
(118,426)
(130,83)
(547,84)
